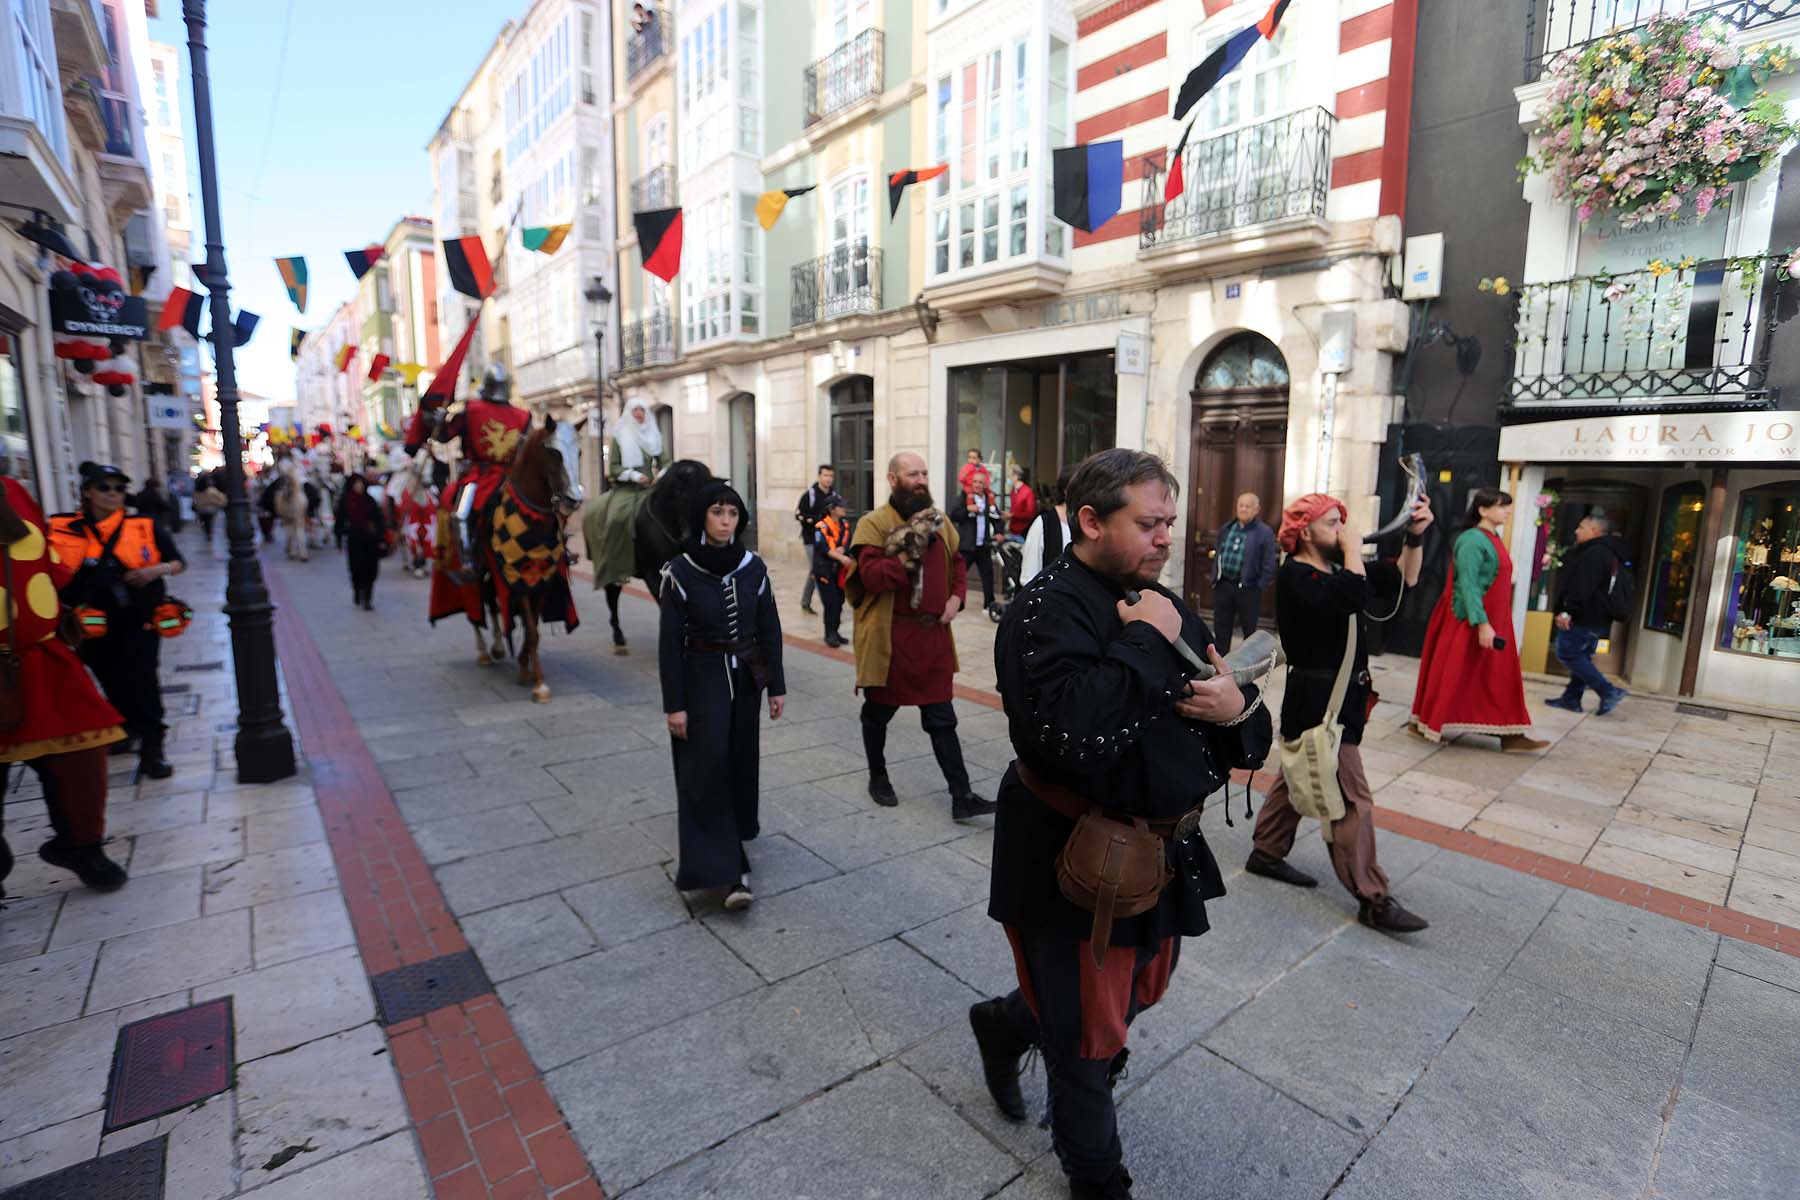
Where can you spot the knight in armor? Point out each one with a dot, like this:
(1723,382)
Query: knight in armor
(634,458)
(489,428)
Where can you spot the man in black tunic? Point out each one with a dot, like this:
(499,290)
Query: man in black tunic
(1103,711)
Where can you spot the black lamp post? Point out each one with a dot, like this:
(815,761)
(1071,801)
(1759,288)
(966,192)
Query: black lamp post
(264,748)
(598,296)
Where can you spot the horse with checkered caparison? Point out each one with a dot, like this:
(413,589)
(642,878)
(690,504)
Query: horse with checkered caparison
(528,562)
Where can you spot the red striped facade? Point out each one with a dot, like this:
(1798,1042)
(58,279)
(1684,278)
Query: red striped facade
(1151,41)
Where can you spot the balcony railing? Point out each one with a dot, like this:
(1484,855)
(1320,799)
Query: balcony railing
(645,47)
(649,341)
(1700,335)
(1268,172)
(116,109)
(654,189)
(850,73)
(1553,26)
(844,283)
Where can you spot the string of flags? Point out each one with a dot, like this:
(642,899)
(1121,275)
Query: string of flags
(295,337)
(545,239)
(361,260)
(466,261)
(293,276)
(344,356)
(770,204)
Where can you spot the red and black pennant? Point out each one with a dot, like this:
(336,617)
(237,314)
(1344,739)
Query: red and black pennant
(659,241)
(465,258)
(376,366)
(442,389)
(182,308)
(1176,183)
(361,260)
(899,181)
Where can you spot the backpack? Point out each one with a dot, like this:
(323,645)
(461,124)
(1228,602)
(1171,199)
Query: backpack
(1621,592)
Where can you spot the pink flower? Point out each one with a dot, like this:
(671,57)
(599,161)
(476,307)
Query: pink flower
(1704,199)
(1584,212)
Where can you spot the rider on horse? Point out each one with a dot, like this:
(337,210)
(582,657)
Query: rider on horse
(490,428)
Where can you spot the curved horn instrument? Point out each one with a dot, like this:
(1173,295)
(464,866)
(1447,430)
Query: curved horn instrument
(1414,466)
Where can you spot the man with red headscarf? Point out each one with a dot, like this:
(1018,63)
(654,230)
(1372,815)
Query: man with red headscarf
(1324,583)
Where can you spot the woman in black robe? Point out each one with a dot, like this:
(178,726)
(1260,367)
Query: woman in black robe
(366,528)
(720,648)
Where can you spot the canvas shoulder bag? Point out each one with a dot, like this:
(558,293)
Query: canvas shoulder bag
(1309,762)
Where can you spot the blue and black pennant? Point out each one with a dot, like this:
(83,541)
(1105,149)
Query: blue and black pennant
(1087,183)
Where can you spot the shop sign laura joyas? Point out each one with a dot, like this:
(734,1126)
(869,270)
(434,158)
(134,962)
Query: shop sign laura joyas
(1747,437)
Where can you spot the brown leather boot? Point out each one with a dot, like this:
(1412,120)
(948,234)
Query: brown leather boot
(1519,743)
(1386,915)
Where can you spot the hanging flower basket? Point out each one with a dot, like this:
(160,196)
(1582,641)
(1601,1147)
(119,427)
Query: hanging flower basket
(1661,120)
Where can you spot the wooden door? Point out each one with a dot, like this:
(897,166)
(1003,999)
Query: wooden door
(853,442)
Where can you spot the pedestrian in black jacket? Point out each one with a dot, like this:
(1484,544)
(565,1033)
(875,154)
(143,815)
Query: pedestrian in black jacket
(815,502)
(1583,612)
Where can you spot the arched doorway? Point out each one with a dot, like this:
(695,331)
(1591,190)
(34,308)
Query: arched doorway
(853,441)
(1237,443)
(741,410)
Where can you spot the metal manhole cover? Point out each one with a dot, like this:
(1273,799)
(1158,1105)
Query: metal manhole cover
(1702,710)
(169,1061)
(407,992)
(205,666)
(134,1173)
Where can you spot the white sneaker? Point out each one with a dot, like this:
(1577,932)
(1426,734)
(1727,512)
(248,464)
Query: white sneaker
(739,897)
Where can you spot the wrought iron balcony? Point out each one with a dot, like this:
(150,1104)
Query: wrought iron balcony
(654,189)
(648,342)
(1698,336)
(844,283)
(1553,26)
(850,73)
(645,47)
(1268,172)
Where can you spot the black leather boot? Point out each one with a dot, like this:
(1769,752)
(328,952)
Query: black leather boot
(1387,916)
(1001,1049)
(89,863)
(151,763)
(1116,1188)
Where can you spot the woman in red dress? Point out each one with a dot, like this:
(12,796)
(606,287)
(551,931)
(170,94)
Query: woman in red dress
(67,723)
(1469,677)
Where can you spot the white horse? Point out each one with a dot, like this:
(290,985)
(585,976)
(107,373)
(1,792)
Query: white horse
(415,503)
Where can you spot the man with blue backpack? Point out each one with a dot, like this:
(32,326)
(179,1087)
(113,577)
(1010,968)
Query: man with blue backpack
(1595,589)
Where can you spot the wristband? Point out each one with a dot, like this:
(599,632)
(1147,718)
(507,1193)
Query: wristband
(1414,540)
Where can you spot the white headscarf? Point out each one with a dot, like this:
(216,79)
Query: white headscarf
(638,443)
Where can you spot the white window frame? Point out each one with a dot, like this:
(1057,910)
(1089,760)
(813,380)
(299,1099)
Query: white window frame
(970,222)
(850,200)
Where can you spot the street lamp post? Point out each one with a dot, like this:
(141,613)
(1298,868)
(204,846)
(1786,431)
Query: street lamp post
(598,296)
(264,748)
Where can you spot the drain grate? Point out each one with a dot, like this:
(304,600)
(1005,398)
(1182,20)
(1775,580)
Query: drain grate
(407,992)
(169,1061)
(134,1173)
(205,666)
(1702,710)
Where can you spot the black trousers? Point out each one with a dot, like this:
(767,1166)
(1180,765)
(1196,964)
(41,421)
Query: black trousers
(983,562)
(1084,1125)
(126,662)
(1236,607)
(938,721)
(832,597)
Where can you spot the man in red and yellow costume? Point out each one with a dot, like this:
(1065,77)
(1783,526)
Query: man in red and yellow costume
(66,724)
(490,429)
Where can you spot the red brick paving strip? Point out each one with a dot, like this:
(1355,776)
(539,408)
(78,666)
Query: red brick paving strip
(487,1127)
(1715,917)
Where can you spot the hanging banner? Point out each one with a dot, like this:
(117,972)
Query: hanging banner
(96,306)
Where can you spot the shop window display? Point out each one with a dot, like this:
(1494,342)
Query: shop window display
(1671,575)
(1762,600)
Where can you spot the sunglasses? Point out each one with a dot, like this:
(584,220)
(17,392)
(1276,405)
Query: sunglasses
(109,487)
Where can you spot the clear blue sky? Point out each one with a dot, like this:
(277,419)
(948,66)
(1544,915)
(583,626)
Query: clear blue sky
(323,149)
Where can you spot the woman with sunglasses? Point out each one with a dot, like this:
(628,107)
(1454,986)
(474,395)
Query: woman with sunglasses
(122,562)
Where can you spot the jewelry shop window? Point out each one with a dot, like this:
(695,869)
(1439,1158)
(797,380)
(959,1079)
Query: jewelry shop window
(1762,599)
(1672,571)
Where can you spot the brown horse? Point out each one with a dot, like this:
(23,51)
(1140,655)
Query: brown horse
(530,513)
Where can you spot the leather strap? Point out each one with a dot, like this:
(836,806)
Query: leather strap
(1074,806)
(1342,684)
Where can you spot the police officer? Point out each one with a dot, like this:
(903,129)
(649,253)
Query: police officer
(124,560)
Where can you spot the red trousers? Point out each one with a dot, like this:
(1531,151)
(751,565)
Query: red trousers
(75,794)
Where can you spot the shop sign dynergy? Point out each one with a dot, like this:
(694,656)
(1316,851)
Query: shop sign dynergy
(1744,437)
